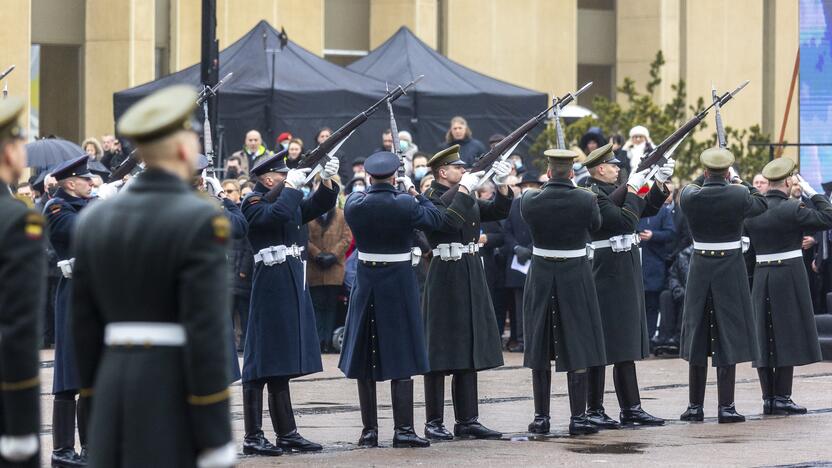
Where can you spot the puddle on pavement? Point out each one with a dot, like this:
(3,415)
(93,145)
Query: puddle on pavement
(618,448)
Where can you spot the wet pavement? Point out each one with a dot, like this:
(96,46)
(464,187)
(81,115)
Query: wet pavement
(327,412)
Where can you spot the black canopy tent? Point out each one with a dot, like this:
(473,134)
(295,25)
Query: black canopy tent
(449,89)
(309,93)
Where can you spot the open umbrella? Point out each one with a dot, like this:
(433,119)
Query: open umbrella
(49,152)
(98,169)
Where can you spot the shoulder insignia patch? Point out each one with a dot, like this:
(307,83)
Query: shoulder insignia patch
(54,208)
(33,226)
(221,227)
(253,200)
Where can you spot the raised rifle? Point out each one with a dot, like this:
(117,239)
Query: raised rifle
(505,147)
(320,155)
(397,149)
(664,150)
(207,141)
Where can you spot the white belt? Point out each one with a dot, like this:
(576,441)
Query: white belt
(144,334)
(277,254)
(453,251)
(414,256)
(550,253)
(779,256)
(66,267)
(717,245)
(622,243)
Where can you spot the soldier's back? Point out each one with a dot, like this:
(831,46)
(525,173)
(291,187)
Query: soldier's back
(560,215)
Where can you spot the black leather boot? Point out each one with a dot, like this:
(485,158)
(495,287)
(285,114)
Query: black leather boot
(595,414)
(725,380)
(626,389)
(697,377)
(254,441)
(783,403)
(83,418)
(466,411)
(369,413)
(435,407)
(542,390)
(579,424)
(403,434)
(766,375)
(63,434)
(283,420)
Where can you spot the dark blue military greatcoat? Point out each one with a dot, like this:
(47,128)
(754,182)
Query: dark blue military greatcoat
(61,213)
(384,337)
(282,339)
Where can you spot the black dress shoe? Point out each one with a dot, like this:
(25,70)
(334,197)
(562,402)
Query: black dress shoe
(369,438)
(540,425)
(437,431)
(475,430)
(295,442)
(599,419)
(728,414)
(258,444)
(580,425)
(767,405)
(67,458)
(693,413)
(406,438)
(636,415)
(785,405)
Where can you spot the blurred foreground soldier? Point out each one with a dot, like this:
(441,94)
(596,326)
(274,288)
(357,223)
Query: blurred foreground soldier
(786,331)
(384,338)
(718,320)
(150,304)
(23,280)
(62,211)
(282,340)
(460,326)
(563,322)
(620,287)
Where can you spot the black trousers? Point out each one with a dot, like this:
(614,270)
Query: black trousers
(325,303)
(49,311)
(517,315)
(671,325)
(239,308)
(499,299)
(651,305)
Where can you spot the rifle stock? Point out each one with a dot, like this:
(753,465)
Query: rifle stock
(124,168)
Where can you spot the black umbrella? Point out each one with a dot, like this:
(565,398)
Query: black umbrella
(98,169)
(49,152)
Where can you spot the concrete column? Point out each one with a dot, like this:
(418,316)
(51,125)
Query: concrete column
(15,47)
(185,33)
(642,30)
(119,54)
(387,16)
(530,43)
(724,46)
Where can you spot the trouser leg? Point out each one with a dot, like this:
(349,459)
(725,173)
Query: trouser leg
(725,381)
(542,391)
(435,407)
(577,385)
(369,413)
(783,404)
(254,441)
(466,407)
(403,434)
(629,398)
(697,378)
(283,418)
(63,431)
(766,375)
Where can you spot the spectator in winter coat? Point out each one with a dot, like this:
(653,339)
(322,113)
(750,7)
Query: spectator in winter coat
(657,235)
(460,134)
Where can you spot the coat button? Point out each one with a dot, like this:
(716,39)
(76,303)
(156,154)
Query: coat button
(712,252)
(722,253)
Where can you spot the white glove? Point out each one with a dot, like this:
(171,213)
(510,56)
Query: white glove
(297,177)
(18,448)
(405,180)
(213,185)
(805,187)
(108,190)
(733,177)
(218,457)
(666,171)
(502,169)
(470,180)
(330,169)
(636,179)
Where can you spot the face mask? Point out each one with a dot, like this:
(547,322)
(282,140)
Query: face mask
(420,172)
(284,145)
(232,173)
(306,191)
(52,190)
(94,193)
(518,164)
(358,188)
(404,145)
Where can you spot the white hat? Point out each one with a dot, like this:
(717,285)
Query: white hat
(405,135)
(639,130)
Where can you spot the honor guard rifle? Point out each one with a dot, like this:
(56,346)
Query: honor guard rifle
(505,147)
(318,157)
(394,129)
(6,85)
(665,149)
